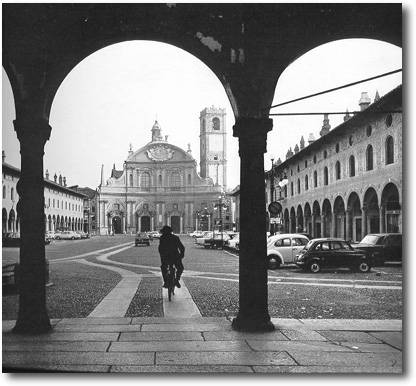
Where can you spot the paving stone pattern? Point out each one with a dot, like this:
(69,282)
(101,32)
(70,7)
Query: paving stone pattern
(206,345)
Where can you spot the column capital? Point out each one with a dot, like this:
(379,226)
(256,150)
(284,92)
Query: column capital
(32,130)
(252,133)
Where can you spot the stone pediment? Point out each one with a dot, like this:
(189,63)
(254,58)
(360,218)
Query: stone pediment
(160,152)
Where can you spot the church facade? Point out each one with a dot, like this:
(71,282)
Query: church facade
(159,184)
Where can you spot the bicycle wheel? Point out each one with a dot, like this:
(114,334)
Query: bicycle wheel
(171,281)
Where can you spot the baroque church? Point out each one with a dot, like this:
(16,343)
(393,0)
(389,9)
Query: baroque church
(160,185)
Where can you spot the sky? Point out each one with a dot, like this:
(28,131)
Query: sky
(112,98)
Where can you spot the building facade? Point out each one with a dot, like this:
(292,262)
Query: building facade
(159,185)
(347,183)
(64,207)
(90,208)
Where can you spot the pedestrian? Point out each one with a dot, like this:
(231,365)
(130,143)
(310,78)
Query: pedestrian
(171,251)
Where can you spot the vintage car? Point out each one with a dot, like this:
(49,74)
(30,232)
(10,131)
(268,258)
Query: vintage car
(142,239)
(217,240)
(332,253)
(201,240)
(68,235)
(234,243)
(383,246)
(196,234)
(283,248)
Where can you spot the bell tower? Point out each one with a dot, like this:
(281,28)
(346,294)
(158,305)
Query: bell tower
(213,145)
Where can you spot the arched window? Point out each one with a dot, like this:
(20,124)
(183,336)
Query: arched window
(352,166)
(131,179)
(338,170)
(325,176)
(369,157)
(160,180)
(306,182)
(215,123)
(12,194)
(314,159)
(175,181)
(285,190)
(189,179)
(145,181)
(389,150)
(315,179)
(4,191)
(291,188)
(298,186)
(325,154)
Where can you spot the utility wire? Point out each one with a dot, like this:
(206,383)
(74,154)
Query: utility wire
(339,112)
(336,88)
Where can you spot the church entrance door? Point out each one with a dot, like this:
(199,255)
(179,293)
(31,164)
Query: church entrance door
(116,222)
(175,223)
(145,223)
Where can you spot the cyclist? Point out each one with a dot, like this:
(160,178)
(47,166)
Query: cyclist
(171,251)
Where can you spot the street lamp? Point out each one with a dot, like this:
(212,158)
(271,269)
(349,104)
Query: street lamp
(220,206)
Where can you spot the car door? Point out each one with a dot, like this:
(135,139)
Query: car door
(323,253)
(298,243)
(393,248)
(340,255)
(284,247)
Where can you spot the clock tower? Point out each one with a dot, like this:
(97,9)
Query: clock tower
(213,145)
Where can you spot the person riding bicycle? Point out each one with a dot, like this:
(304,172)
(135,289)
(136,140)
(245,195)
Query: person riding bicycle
(171,251)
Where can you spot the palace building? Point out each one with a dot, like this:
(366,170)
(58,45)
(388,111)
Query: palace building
(347,183)
(159,184)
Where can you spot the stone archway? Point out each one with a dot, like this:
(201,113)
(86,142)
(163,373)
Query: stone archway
(316,220)
(371,214)
(144,223)
(308,219)
(339,224)
(300,227)
(390,210)
(4,220)
(354,218)
(116,224)
(248,74)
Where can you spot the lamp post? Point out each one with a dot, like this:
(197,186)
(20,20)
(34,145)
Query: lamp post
(272,192)
(220,206)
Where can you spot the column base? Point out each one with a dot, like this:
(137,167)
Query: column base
(32,327)
(252,325)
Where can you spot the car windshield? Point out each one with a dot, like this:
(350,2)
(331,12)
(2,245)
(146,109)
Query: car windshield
(309,245)
(372,239)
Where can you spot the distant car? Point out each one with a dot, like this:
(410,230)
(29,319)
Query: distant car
(51,235)
(217,240)
(383,246)
(196,234)
(201,240)
(283,248)
(11,239)
(83,235)
(68,235)
(333,253)
(234,243)
(142,239)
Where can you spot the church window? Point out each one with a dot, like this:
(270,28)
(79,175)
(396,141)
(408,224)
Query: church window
(291,188)
(337,148)
(216,123)
(314,159)
(12,194)
(298,186)
(306,182)
(160,180)
(369,157)
(338,170)
(325,176)
(145,181)
(189,179)
(389,120)
(315,179)
(131,179)
(175,181)
(369,130)
(325,154)
(306,163)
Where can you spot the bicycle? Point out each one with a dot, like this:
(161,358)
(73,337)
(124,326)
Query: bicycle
(170,280)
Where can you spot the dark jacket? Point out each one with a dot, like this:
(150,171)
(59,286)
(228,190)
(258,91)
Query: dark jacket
(170,248)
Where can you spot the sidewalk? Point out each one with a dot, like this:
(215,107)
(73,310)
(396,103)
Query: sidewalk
(207,345)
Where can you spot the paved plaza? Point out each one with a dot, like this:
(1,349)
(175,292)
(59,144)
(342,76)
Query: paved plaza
(207,345)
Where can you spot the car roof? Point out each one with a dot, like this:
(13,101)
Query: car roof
(288,235)
(328,239)
(383,234)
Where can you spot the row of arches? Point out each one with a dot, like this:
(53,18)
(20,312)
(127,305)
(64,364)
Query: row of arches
(61,223)
(10,221)
(350,219)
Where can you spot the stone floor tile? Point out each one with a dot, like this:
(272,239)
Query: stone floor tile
(352,359)
(159,336)
(303,335)
(326,370)
(182,369)
(95,321)
(294,345)
(236,335)
(370,347)
(349,336)
(62,336)
(184,327)
(76,358)
(197,319)
(180,346)
(353,324)
(61,368)
(224,358)
(288,324)
(57,346)
(98,328)
(393,338)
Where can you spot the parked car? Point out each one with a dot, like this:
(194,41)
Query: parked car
(217,240)
(333,253)
(196,234)
(142,239)
(283,248)
(234,243)
(383,246)
(51,235)
(201,240)
(154,234)
(83,235)
(68,235)
(12,239)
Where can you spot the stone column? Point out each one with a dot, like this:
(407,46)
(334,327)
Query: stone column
(296,223)
(181,224)
(209,222)
(363,221)
(348,226)
(313,232)
(334,226)
(32,316)
(382,219)
(253,314)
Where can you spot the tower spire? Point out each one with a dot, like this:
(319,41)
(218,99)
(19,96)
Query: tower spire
(156,132)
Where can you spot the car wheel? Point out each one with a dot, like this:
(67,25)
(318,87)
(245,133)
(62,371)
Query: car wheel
(57,238)
(273,262)
(363,267)
(72,238)
(315,267)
